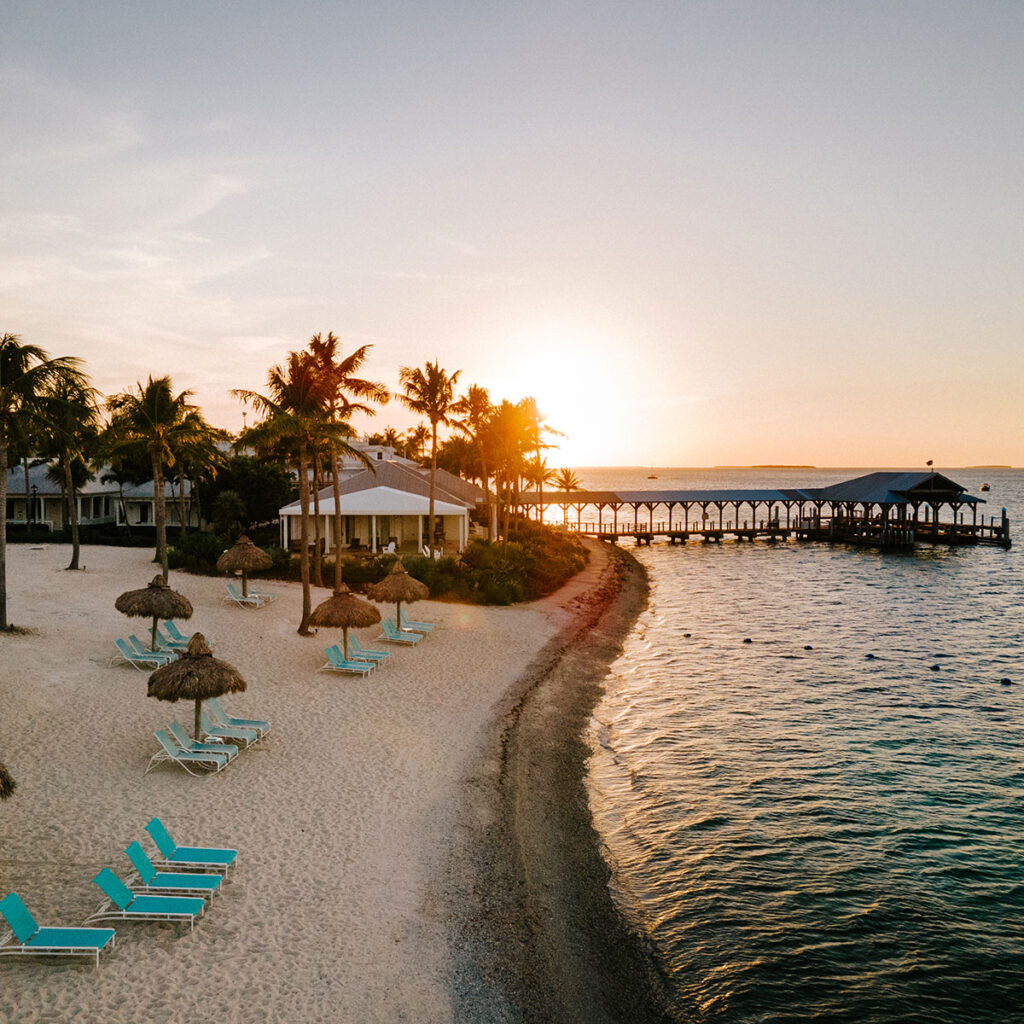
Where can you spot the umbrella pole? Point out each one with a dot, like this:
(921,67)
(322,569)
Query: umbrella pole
(398,615)
(344,633)
(152,636)
(245,585)
(198,725)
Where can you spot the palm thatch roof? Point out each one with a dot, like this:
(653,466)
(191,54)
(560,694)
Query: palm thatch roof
(156,599)
(398,585)
(244,556)
(7,783)
(344,611)
(196,675)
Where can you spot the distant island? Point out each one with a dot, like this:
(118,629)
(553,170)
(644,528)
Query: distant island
(993,465)
(768,465)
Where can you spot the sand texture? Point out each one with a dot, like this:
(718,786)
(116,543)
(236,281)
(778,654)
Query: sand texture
(345,815)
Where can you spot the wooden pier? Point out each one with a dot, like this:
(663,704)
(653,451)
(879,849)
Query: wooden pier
(884,510)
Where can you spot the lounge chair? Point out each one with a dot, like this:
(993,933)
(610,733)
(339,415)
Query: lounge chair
(336,662)
(244,600)
(171,751)
(168,643)
(31,940)
(124,905)
(216,858)
(143,651)
(221,717)
(177,883)
(176,634)
(362,654)
(182,738)
(393,635)
(264,595)
(227,732)
(149,660)
(416,627)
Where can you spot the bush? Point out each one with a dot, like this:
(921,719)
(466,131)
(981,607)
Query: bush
(197,552)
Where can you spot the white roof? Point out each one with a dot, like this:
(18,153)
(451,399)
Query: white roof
(379,501)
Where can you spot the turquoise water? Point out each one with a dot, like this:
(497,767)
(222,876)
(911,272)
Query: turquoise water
(826,823)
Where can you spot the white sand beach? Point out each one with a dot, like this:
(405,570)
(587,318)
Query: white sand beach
(342,816)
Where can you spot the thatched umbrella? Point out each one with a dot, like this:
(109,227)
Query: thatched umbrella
(7,783)
(156,599)
(344,611)
(244,556)
(196,675)
(398,586)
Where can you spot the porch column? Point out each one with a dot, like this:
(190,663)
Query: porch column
(462,532)
(373,533)
(419,534)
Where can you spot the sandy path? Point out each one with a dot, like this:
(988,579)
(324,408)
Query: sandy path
(342,815)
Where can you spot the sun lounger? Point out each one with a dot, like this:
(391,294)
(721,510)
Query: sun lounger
(31,940)
(177,883)
(143,662)
(144,652)
(221,717)
(182,738)
(362,654)
(336,662)
(124,905)
(168,643)
(245,600)
(215,858)
(227,732)
(171,751)
(266,596)
(393,635)
(416,627)
(176,634)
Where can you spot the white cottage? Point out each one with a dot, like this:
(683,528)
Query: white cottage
(389,504)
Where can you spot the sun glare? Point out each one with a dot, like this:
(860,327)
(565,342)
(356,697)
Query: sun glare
(572,375)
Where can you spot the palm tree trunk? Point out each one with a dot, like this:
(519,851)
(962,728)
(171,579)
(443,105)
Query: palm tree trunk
(487,497)
(69,483)
(28,497)
(433,474)
(124,507)
(318,576)
(181,502)
(160,515)
(3,530)
(307,603)
(336,489)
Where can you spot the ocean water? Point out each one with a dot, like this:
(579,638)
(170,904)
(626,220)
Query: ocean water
(825,823)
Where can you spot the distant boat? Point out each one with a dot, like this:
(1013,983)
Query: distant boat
(985,487)
(654,476)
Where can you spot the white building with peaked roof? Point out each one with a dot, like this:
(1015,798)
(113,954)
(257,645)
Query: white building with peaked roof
(388,504)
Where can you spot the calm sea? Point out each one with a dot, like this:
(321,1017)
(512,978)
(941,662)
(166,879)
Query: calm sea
(825,823)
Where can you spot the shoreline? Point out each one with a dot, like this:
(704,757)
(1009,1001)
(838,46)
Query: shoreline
(534,934)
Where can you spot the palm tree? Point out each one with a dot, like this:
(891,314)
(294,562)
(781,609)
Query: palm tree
(73,439)
(294,415)
(540,473)
(153,418)
(506,439)
(476,410)
(198,452)
(566,480)
(340,386)
(431,393)
(415,439)
(26,372)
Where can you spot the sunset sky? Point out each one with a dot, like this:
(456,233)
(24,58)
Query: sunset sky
(698,233)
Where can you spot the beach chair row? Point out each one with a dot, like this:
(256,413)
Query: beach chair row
(174,887)
(132,651)
(362,661)
(222,735)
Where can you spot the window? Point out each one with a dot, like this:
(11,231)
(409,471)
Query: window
(143,513)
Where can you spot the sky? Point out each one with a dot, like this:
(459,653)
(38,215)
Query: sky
(697,233)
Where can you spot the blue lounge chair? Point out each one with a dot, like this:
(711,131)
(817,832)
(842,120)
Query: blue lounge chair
(182,738)
(393,635)
(215,858)
(176,634)
(221,717)
(244,600)
(31,940)
(362,654)
(143,662)
(416,627)
(124,905)
(214,761)
(336,662)
(168,643)
(177,883)
(227,732)
(143,651)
